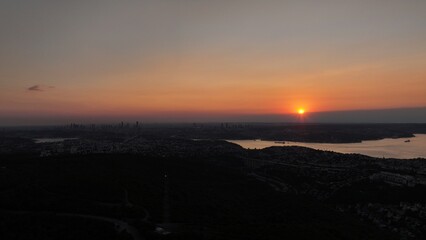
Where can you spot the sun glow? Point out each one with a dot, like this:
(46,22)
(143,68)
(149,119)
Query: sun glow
(301,111)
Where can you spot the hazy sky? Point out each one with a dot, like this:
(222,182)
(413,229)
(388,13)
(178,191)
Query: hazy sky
(161,59)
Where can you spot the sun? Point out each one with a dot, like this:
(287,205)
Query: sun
(301,111)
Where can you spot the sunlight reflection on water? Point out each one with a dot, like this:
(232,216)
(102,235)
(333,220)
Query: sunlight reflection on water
(388,148)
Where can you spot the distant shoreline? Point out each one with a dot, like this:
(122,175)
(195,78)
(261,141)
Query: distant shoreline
(398,148)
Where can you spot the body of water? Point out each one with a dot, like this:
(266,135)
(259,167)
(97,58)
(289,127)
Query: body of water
(51,140)
(403,148)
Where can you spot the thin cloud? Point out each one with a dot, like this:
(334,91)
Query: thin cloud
(35,88)
(39,88)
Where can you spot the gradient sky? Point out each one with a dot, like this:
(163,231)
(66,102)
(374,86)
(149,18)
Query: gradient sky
(160,59)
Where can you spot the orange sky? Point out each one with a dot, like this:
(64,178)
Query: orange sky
(253,57)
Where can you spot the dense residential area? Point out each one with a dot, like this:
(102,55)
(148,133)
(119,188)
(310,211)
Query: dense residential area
(135,185)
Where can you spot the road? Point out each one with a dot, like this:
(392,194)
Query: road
(119,224)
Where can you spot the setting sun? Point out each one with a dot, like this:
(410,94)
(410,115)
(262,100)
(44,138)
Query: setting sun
(301,111)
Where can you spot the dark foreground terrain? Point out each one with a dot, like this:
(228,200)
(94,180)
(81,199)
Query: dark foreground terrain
(133,184)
